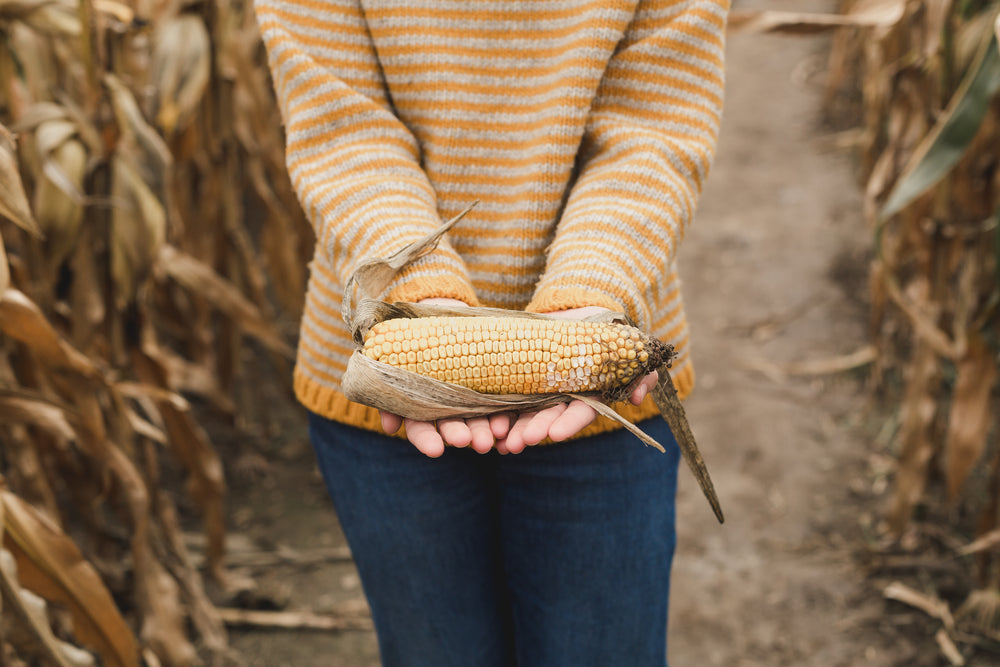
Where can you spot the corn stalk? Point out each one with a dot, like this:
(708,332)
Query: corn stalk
(142,169)
(928,73)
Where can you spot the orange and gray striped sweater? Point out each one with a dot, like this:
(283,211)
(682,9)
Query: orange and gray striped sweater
(584,128)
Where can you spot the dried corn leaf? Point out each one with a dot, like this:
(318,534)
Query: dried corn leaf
(52,566)
(414,396)
(971,415)
(55,17)
(931,605)
(864,13)
(953,133)
(193,449)
(140,145)
(936,22)
(182,58)
(22,407)
(29,610)
(202,280)
(13,200)
(4,268)
(22,320)
(917,445)
(123,13)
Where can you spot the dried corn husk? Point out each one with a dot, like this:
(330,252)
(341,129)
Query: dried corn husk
(414,396)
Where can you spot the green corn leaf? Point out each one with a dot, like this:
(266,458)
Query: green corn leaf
(948,141)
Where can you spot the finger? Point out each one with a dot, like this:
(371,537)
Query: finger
(502,447)
(644,387)
(538,428)
(500,424)
(390,422)
(455,432)
(514,442)
(481,434)
(573,420)
(424,437)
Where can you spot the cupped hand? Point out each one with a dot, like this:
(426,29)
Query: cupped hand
(430,437)
(510,433)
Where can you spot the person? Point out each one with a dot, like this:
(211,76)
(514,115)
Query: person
(585,130)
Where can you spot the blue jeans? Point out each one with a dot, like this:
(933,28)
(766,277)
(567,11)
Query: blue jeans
(558,556)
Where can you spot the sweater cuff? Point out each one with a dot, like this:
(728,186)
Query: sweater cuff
(552,299)
(419,287)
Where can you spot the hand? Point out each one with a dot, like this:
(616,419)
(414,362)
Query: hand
(557,423)
(430,439)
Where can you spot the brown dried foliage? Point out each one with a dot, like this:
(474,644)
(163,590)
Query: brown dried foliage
(142,185)
(928,80)
(934,278)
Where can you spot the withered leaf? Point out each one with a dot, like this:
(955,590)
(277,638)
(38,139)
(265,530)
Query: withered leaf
(29,610)
(23,407)
(22,320)
(4,268)
(864,13)
(51,565)
(13,200)
(971,413)
(202,280)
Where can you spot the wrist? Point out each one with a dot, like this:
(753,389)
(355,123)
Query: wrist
(580,313)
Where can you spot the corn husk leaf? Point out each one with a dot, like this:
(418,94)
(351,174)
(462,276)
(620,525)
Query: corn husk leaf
(182,59)
(414,396)
(373,275)
(951,136)
(971,417)
(864,13)
(138,229)
(58,195)
(13,200)
(51,565)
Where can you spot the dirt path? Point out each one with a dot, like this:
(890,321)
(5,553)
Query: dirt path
(773,270)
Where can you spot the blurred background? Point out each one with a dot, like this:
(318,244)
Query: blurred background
(158,498)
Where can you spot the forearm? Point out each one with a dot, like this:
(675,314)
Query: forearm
(646,151)
(354,165)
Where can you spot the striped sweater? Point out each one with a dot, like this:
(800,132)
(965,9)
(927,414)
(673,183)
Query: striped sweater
(584,128)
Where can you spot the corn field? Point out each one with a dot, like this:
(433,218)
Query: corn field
(929,72)
(148,231)
(154,231)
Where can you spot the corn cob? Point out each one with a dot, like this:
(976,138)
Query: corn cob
(497,355)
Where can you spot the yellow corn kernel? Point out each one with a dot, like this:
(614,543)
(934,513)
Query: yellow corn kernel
(516,355)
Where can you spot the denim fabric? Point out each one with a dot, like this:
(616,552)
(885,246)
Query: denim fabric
(556,557)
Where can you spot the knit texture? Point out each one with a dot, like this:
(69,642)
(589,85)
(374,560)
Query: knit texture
(584,128)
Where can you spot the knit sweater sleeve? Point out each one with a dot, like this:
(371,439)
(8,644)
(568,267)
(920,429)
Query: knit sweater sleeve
(646,150)
(354,165)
